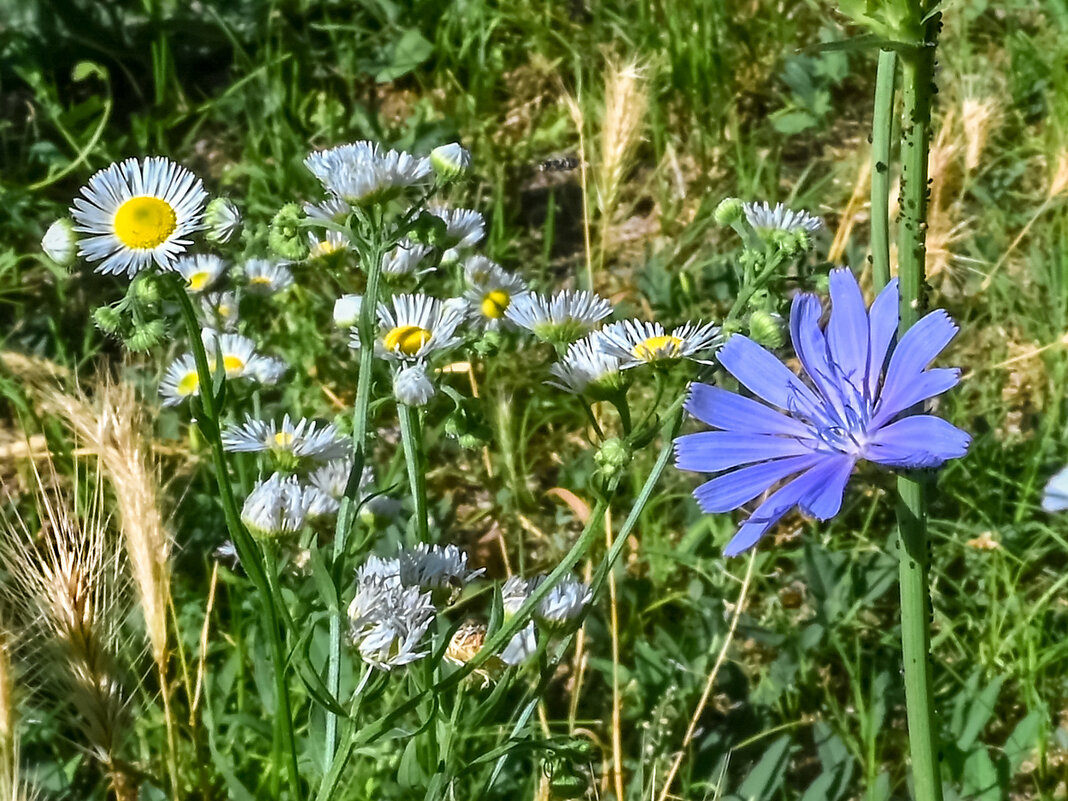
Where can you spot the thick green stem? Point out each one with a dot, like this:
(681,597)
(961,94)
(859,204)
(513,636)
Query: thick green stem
(346,515)
(247,550)
(917,80)
(412,440)
(881,131)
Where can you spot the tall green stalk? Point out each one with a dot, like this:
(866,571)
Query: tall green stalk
(346,515)
(917,84)
(247,549)
(882,127)
(412,441)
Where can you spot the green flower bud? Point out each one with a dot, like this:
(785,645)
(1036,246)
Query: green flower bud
(60,243)
(765,329)
(146,336)
(450,161)
(728,212)
(145,288)
(108,319)
(285,236)
(613,457)
(567,784)
(223,220)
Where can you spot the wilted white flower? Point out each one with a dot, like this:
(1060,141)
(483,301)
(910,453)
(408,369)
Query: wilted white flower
(779,218)
(405,258)
(588,368)
(274,507)
(265,277)
(450,161)
(434,567)
(636,342)
(561,319)
(412,386)
(524,643)
(464,228)
(200,271)
(289,442)
(362,172)
(222,219)
(266,369)
(416,327)
(318,504)
(388,621)
(60,243)
(333,209)
(138,213)
(560,609)
(347,310)
(333,477)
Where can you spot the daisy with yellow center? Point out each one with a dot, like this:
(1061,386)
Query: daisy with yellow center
(201,271)
(491,290)
(412,327)
(138,213)
(635,342)
(290,442)
(180,381)
(266,277)
(560,319)
(238,353)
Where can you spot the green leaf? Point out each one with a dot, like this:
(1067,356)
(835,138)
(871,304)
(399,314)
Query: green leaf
(84,69)
(766,776)
(793,122)
(979,713)
(410,51)
(981,777)
(1024,739)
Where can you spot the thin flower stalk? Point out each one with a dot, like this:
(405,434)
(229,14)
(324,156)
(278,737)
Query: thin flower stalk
(881,131)
(412,441)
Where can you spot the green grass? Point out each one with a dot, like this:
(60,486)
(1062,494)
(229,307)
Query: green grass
(810,703)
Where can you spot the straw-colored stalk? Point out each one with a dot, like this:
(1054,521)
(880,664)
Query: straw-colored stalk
(9,764)
(978,117)
(67,583)
(110,425)
(626,100)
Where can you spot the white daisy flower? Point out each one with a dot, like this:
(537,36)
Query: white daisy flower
(317,503)
(524,643)
(303,440)
(200,271)
(405,258)
(238,352)
(563,318)
(560,609)
(588,368)
(433,567)
(363,172)
(138,213)
(326,244)
(267,370)
(491,290)
(333,209)
(450,161)
(60,243)
(779,218)
(414,328)
(223,220)
(347,310)
(265,277)
(636,342)
(222,307)
(180,381)
(274,507)
(388,621)
(379,568)
(333,477)
(464,228)
(412,386)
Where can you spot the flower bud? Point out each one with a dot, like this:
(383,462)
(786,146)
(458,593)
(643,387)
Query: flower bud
(60,243)
(347,310)
(146,336)
(108,319)
(412,386)
(450,161)
(145,288)
(613,456)
(285,236)
(223,220)
(765,328)
(729,211)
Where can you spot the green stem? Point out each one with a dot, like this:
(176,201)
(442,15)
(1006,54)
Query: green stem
(881,130)
(247,550)
(917,81)
(346,515)
(412,440)
(752,283)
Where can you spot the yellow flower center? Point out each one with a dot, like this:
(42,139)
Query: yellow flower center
(145,222)
(407,339)
(188,384)
(260,279)
(233,364)
(656,347)
(494,303)
(326,247)
(283,439)
(197,281)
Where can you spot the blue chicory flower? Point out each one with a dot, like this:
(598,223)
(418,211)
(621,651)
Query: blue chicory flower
(850,409)
(1055,498)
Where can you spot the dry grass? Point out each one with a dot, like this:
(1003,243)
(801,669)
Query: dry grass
(67,590)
